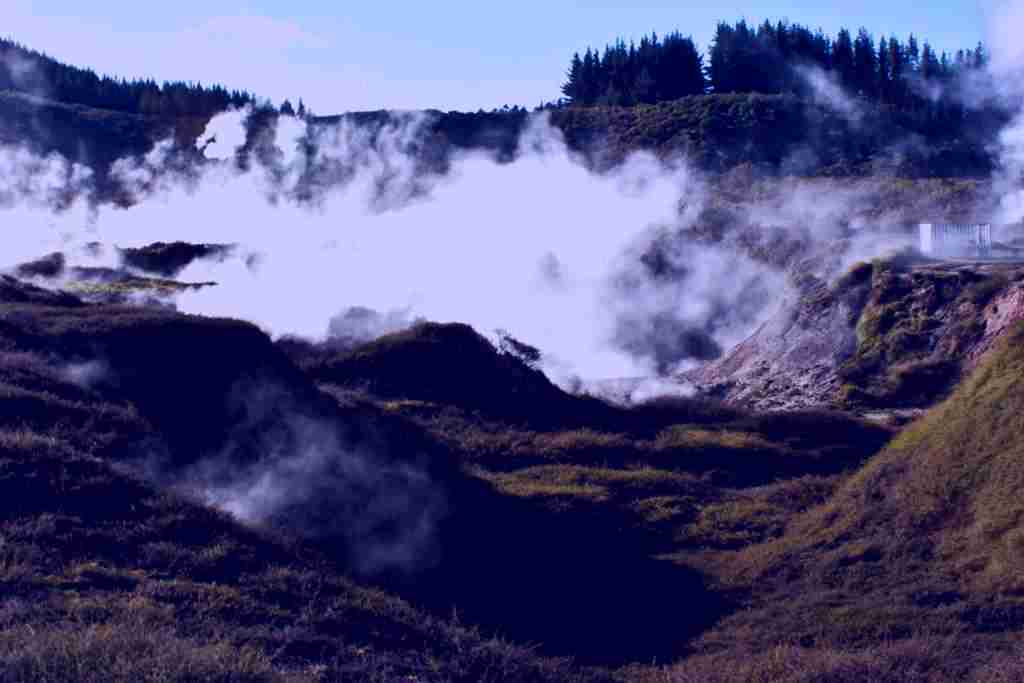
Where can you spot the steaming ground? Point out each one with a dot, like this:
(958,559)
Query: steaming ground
(332,219)
(328,219)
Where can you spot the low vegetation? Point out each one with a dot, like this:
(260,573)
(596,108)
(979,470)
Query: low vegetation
(726,545)
(918,547)
(914,328)
(103,576)
(770,133)
(936,661)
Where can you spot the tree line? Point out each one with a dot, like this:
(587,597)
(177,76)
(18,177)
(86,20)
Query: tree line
(27,71)
(766,59)
(657,70)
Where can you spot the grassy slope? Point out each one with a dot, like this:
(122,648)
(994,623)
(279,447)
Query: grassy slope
(923,543)
(106,578)
(587,520)
(564,517)
(673,479)
(955,477)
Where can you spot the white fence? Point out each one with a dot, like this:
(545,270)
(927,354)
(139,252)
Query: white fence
(963,240)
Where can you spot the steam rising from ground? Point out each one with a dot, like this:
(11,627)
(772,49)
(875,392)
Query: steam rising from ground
(357,325)
(312,477)
(1007,71)
(341,216)
(347,217)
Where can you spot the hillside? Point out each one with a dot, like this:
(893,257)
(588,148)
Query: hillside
(89,135)
(716,133)
(920,544)
(92,394)
(187,498)
(783,134)
(106,579)
(364,491)
(119,424)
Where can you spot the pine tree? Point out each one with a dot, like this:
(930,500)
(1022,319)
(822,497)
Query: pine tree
(720,67)
(591,80)
(898,68)
(913,57)
(645,88)
(885,77)
(930,66)
(573,88)
(865,64)
(679,70)
(842,58)
(980,57)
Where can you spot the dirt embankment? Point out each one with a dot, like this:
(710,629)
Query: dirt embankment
(886,336)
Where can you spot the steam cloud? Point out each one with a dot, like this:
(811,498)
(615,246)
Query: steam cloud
(312,475)
(1007,67)
(358,216)
(357,325)
(348,215)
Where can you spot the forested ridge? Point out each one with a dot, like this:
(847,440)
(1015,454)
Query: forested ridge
(773,58)
(770,58)
(764,95)
(30,72)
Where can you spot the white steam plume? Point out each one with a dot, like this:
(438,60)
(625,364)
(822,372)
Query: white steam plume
(1006,78)
(331,217)
(473,245)
(310,479)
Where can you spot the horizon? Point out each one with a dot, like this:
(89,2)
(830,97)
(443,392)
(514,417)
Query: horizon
(368,59)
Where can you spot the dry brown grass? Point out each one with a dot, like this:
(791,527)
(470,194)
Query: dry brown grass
(587,523)
(912,661)
(923,540)
(101,578)
(956,472)
(126,650)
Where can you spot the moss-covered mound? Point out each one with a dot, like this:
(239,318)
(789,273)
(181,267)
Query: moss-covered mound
(915,329)
(212,406)
(179,371)
(167,259)
(924,541)
(49,266)
(444,363)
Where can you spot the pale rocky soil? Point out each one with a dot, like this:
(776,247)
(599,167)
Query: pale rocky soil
(793,360)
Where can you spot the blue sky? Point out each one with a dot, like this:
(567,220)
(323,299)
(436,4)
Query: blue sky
(465,54)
